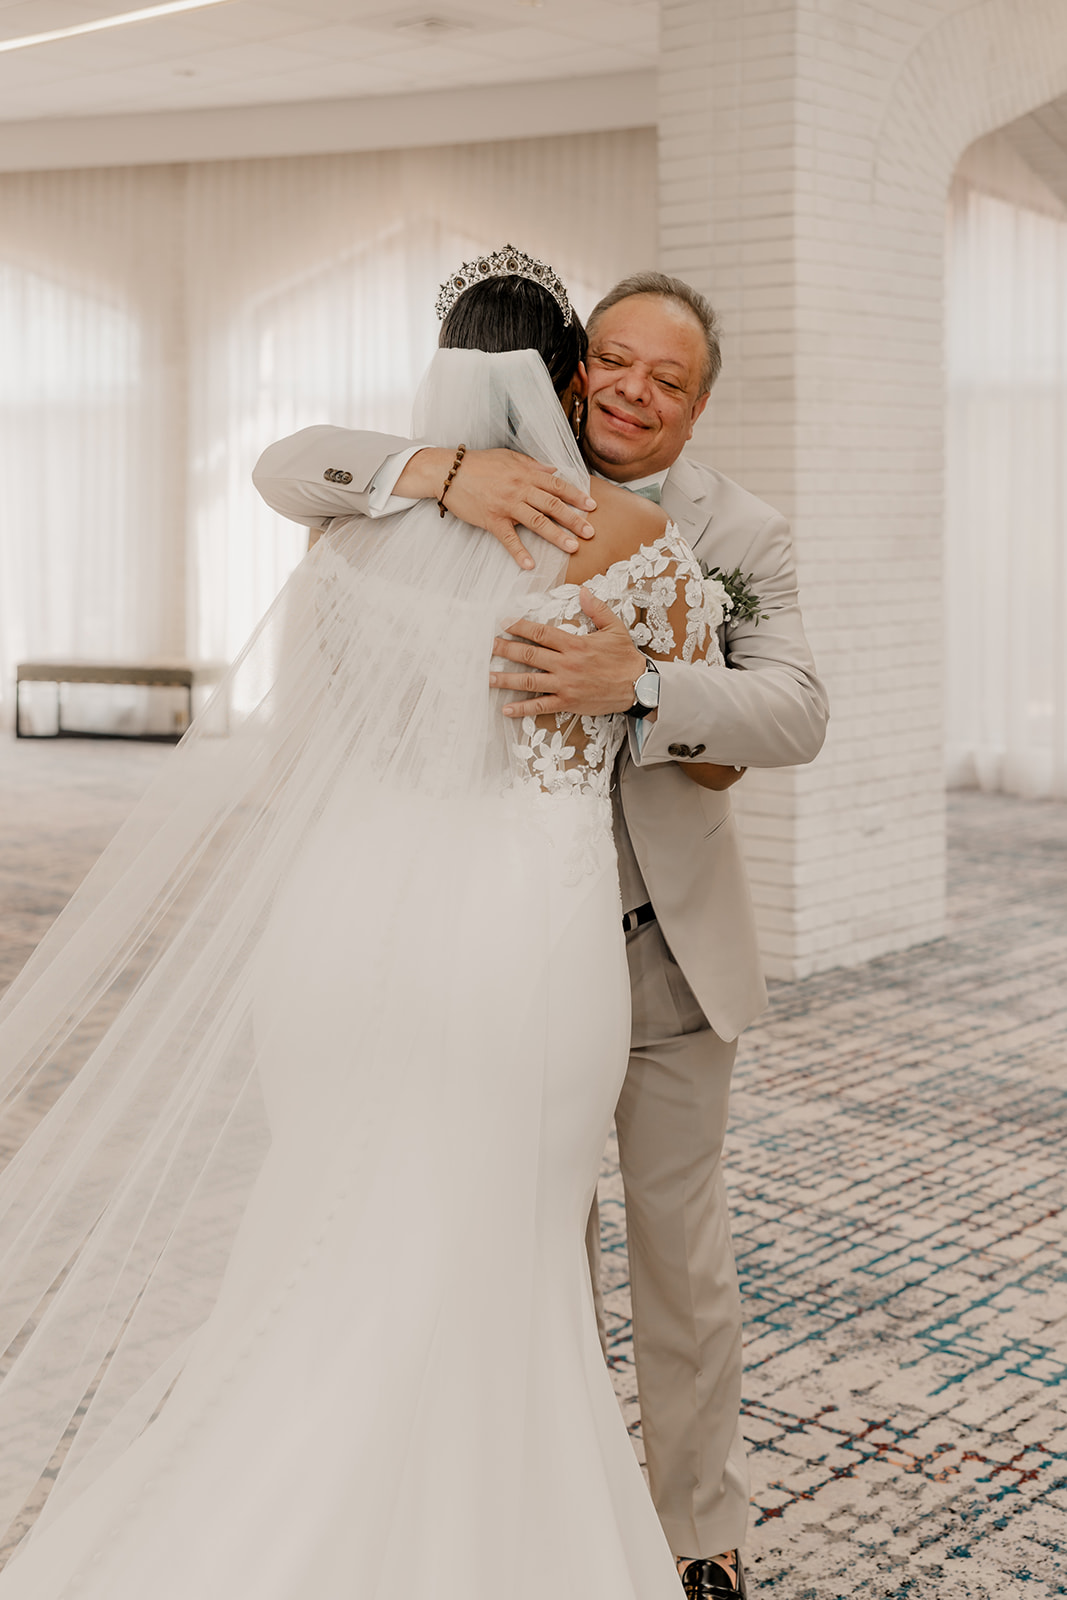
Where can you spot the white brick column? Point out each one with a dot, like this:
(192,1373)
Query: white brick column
(805,155)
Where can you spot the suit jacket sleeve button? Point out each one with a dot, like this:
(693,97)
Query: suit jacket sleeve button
(680,750)
(698,750)
(344,477)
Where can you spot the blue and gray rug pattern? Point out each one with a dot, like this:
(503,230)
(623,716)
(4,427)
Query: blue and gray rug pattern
(896,1165)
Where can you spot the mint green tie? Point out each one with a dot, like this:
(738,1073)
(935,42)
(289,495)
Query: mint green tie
(648,491)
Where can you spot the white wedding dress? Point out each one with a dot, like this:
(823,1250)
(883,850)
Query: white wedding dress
(397,1387)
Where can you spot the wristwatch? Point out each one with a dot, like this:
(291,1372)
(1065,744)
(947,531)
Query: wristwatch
(646,691)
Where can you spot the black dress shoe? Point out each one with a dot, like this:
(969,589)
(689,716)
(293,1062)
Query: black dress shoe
(706,1580)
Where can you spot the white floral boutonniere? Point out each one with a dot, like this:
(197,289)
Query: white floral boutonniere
(732,591)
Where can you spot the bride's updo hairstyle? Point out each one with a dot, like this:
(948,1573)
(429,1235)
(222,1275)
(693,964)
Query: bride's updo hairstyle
(513,313)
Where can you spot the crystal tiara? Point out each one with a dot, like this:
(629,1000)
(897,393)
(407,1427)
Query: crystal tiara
(506,263)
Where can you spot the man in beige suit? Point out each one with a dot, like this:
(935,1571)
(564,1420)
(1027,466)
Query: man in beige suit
(691,941)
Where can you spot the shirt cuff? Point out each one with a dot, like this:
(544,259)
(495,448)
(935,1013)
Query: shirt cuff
(381,501)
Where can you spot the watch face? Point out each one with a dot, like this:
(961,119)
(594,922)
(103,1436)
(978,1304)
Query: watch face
(647,690)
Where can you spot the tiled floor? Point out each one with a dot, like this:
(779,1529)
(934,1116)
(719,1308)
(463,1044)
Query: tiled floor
(897,1156)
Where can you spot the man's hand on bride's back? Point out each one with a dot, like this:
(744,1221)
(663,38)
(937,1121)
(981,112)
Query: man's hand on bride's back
(501,491)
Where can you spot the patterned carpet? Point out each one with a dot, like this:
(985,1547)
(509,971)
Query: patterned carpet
(896,1158)
(897,1152)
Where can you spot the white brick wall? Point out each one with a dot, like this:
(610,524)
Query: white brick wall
(805,154)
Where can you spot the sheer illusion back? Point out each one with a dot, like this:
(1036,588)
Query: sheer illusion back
(671,613)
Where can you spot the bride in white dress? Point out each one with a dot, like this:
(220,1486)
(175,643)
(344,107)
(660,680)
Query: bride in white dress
(311,1083)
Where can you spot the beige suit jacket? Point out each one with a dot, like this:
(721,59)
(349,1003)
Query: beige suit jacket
(769,711)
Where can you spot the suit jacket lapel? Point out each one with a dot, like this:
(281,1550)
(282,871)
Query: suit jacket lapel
(685,500)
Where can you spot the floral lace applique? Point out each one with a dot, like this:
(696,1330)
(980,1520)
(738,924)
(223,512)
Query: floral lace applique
(568,754)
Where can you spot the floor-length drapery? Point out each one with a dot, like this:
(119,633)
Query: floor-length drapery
(1006,571)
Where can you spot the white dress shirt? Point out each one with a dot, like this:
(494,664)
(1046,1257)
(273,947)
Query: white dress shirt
(382,501)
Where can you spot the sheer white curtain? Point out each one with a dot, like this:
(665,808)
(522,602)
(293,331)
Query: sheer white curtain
(162,325)
(89,485)
(1006,571)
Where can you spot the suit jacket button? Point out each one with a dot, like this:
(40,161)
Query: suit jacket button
(698,750)
(336,475)
(680,750)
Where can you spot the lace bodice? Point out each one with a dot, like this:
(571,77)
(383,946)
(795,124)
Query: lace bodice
(672,612)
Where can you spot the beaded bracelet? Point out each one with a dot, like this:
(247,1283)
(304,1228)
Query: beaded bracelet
(460,453)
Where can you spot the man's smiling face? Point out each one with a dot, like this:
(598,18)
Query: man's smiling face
(646,360)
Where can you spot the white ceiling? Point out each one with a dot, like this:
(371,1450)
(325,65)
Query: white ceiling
(248,52)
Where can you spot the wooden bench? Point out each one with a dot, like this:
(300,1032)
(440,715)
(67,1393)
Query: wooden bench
(161,674)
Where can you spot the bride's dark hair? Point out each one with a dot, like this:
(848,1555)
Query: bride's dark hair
(513,313)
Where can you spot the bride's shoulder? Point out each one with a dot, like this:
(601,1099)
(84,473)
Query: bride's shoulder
(618,508)
(624,522)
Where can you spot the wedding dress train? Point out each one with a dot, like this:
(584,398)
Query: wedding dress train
(397,1387)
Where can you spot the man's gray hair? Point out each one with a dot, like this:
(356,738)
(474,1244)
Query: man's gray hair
(683,294)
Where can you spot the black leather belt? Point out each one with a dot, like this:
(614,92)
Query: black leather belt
(635,919)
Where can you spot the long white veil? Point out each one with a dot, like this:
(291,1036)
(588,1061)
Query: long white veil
(132,1115)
